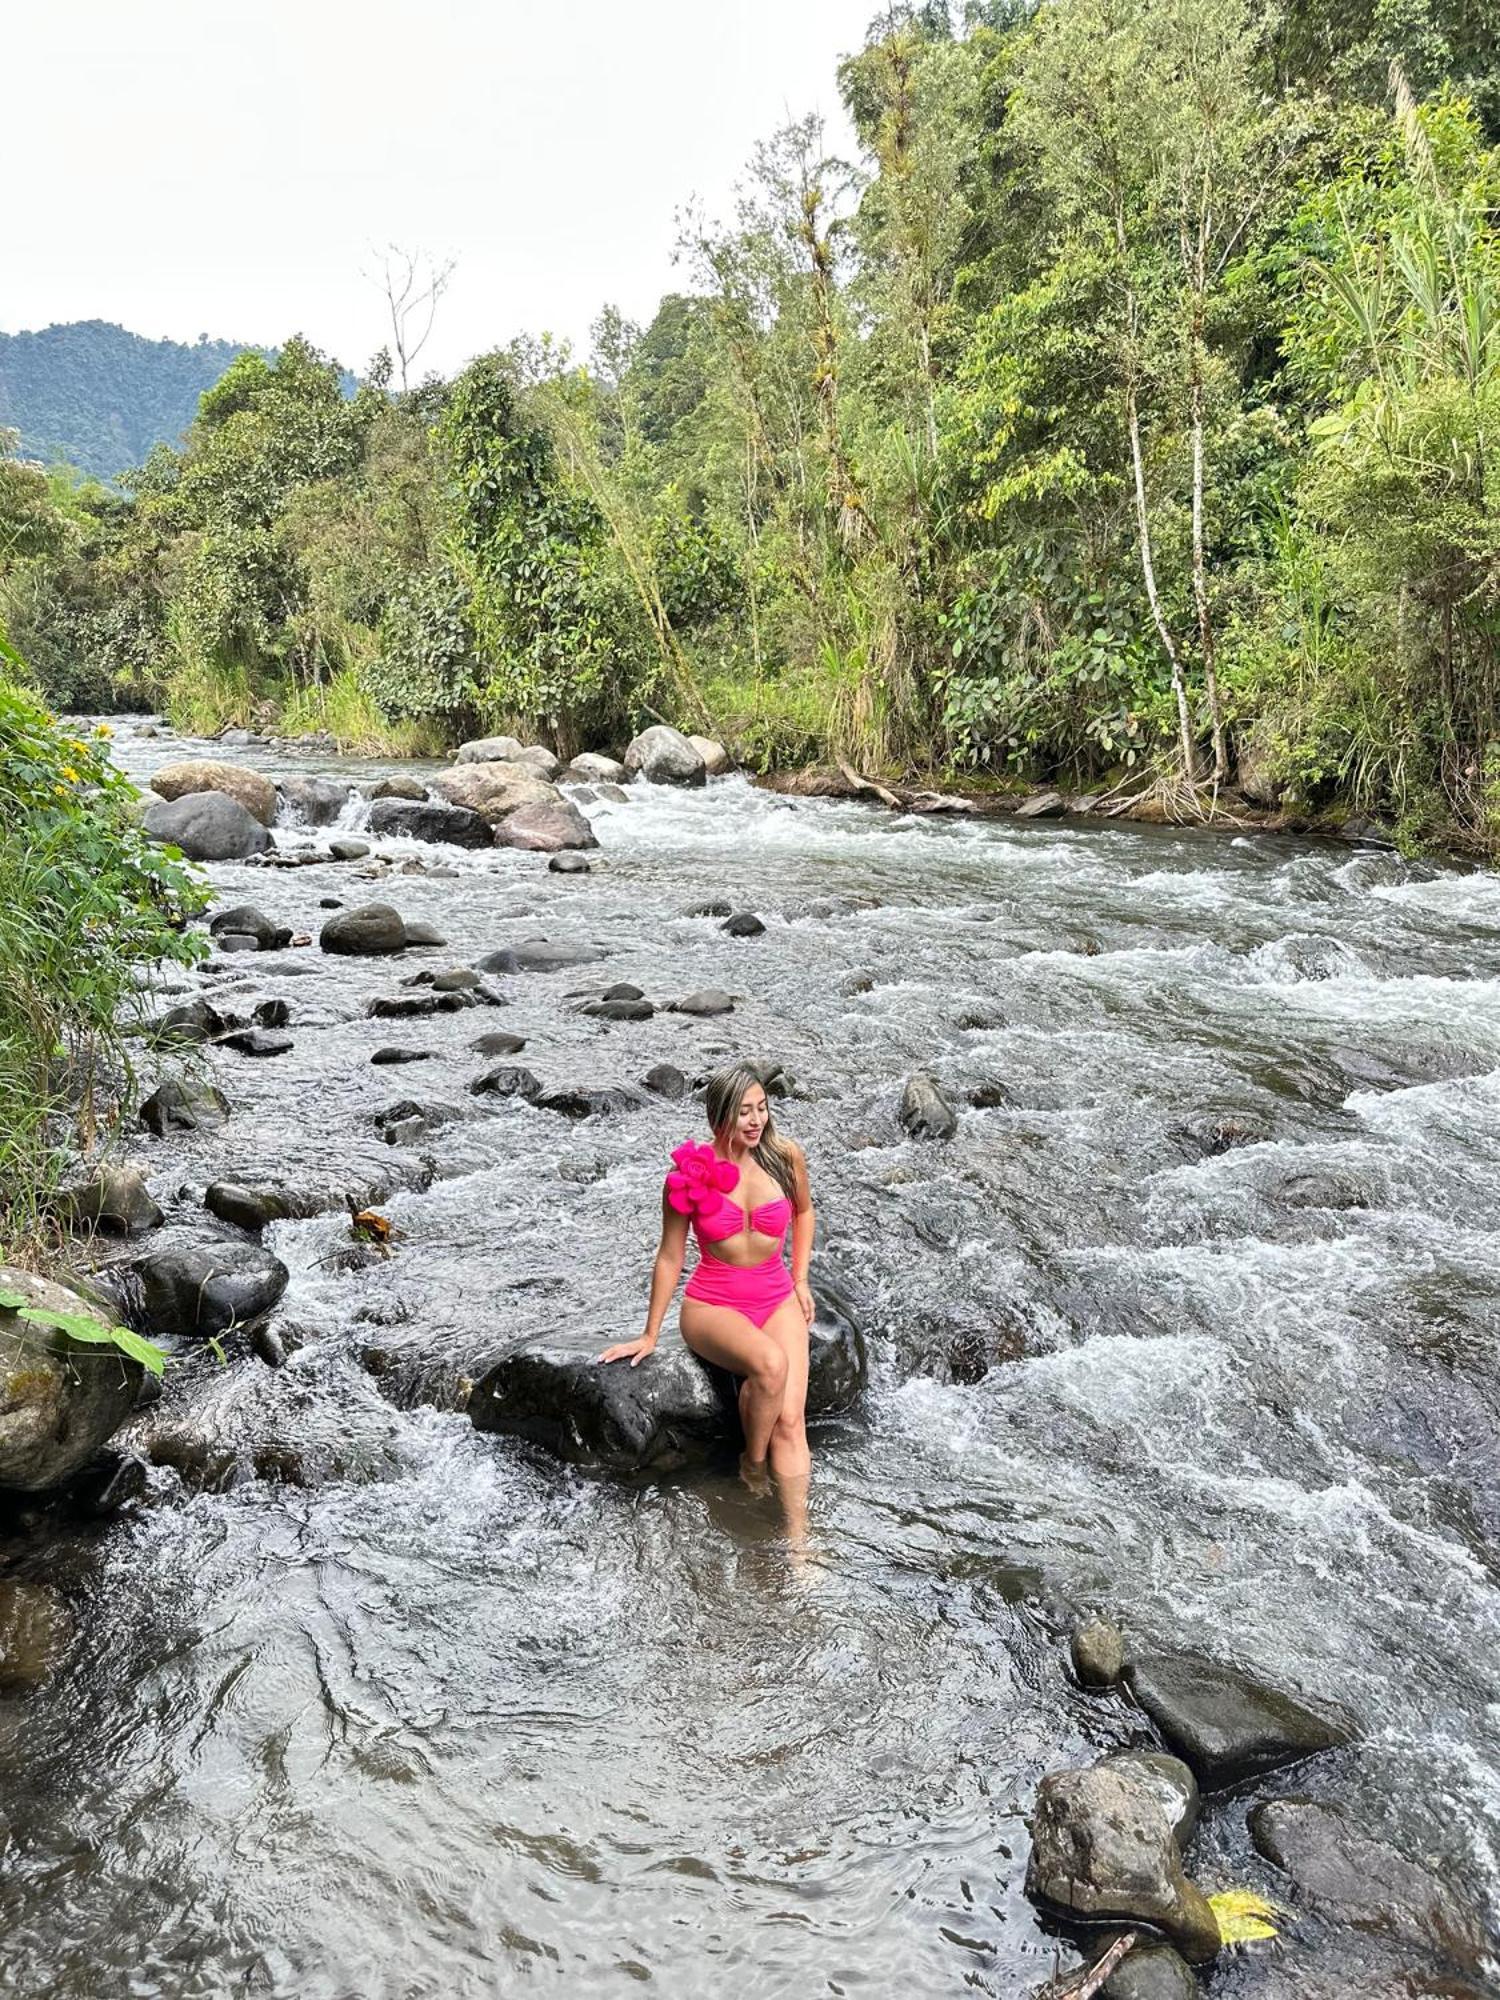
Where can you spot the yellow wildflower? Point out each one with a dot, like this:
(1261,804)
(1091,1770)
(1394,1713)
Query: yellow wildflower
(70,774)
(103,729)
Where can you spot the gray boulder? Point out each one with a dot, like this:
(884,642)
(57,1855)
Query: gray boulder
(545,829)
(1152,1972)
(207,826)
(666,1080)
(496,790)
(348,850)
(1042,805)
(1362,1881)
(374,930)
(188,1021)
(541,760)
(745,924)
(1097,1648)
(1102,1848)
(716,760)
(192,776)
(257,1042)
(59,1399)
(114,1200)
(1224,1723)
(491,750)
(567,864)
(244,920)
(665,757)
(498,1043)
(400,787)
(206,1288)
(592,769)
(707,1002)
(441,825)
(184,1104)
(315,801)
(925,1111)
(507,1079)
(1170,1779)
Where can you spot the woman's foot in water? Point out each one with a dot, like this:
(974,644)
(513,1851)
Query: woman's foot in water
(756,1474)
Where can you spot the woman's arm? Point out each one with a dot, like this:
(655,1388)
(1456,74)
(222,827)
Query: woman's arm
(665,1273)
(804,1229)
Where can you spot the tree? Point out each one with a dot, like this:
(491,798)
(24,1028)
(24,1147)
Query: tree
(412,283)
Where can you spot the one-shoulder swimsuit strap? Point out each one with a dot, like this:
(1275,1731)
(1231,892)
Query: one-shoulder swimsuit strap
(698,1186)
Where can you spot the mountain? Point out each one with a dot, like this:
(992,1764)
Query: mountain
(99,397)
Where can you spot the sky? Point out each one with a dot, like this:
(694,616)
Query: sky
(198,167)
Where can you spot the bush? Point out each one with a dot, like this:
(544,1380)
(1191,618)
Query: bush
(87,900)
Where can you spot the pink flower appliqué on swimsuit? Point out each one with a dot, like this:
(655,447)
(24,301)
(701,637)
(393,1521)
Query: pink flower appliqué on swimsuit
(699,1180)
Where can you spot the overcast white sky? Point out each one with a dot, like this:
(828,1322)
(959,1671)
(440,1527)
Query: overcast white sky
(194,167)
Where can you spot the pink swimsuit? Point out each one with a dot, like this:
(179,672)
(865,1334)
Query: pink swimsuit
(698,1186)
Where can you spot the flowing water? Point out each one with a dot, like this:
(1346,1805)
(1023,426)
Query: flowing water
(429,1714)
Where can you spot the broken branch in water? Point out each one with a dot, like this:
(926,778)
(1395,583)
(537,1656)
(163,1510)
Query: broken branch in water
(1085,1984)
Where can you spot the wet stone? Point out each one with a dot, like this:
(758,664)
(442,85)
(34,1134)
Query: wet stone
(498,1042)
(417,1006)
(1097,1648)
(1225,1723)
(184,1104)
(393,1055)
(36,1628)
(207,1288)
(244,920)
(1152,1972)
(711,1000)
(925,1110)
(256,1042)
(507,1080)
(374,930)
(744,925)
(346,850)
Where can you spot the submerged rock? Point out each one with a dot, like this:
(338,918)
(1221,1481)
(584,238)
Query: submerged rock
(540,955)
(1102,1847)
(36,1629)
(206,1289)
(1152,1972)
(207,826)
(507,1079)
(745,925)
(1363,1881)
(59,1400)
(193,777)
(184,1104)
(1224,1723)
(374,930)
(498,1042)
(665,757)
(257,1042)
(666,1080)
(567,864)
(925,1110)
(584,1100)
(708,1001)
(188,1021)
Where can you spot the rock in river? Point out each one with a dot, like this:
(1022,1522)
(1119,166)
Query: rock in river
(1224,1722)
(1152,1972)
(496,790)
(36,1628)
(191,777)
(540,955)
(1360,1880)
(454,826)
(1102,1847)
(244,920)
(925,1111)
(546,829)
(184,1104)
(316,801)
(491,750)
(374,930)
(710,1000)
(592,769)
(114,1199)
(59,1400)
(671,1408)
(666,757)
(207,826)
(207,1288)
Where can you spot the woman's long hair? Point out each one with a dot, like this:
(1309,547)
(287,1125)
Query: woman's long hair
(721,1101)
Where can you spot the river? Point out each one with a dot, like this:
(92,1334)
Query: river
(446,1718)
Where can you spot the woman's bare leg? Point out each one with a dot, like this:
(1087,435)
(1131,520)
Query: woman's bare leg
(725,1337)
(790,1460)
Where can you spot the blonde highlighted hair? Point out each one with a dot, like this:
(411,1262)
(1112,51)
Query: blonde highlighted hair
(721,1101)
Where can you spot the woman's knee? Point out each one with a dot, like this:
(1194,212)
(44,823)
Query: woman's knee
(790,1428)
(770,1369)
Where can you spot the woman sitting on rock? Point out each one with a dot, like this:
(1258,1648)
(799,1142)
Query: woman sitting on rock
(742,1309)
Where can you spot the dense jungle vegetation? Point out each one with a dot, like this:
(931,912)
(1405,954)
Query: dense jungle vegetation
(1124,410)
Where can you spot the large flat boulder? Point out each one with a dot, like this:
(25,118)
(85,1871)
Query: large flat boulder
(207,826)
(252,789)
(59,1399)
(1224,1723)
(1360,1880)
(374,930)
(494,790)
(667,1411)
(443,825)
(540,955)
(665,757)
(545,829)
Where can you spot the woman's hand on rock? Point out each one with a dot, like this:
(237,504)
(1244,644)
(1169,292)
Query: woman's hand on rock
(805,1300)
(633,1351)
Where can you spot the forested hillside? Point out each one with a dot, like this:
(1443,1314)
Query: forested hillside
(1124,414)
(92,395)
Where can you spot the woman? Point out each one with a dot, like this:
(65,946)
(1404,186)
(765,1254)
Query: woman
(742,1309)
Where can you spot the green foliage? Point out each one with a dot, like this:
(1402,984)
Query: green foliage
(87,1332)
(87,901)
